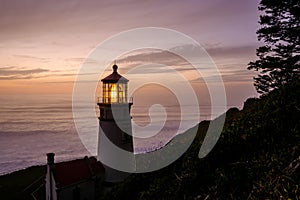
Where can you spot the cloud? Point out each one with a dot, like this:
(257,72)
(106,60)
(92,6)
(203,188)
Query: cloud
(232,51)
(13,73)
(32,57)
(16,73)
(230,76)
(150,56)
(236,57)
(216,50)
(80,60)
(169,58)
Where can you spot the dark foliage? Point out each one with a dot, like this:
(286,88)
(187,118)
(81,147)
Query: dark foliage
(24,184)
(279,58)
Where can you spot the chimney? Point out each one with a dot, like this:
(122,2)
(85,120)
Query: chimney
(50,159)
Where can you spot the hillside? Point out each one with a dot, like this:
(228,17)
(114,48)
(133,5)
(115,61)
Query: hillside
(256,157)
(23,184)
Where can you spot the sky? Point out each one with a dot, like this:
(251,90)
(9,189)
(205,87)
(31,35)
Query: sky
(44,43)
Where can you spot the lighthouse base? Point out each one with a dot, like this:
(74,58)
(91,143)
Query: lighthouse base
(115,148)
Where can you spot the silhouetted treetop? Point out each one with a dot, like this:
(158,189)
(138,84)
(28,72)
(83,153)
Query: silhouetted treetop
(279,58)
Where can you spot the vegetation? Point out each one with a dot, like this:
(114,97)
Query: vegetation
(256,157)
(279,57)
(24,184)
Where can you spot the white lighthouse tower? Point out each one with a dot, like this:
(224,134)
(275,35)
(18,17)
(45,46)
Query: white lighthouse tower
(114,121)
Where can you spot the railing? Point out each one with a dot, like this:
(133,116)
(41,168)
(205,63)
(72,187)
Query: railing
(110,100)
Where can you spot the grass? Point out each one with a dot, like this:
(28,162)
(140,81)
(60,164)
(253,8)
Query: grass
(23,184)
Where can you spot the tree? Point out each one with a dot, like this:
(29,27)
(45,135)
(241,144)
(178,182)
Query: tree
(279,57)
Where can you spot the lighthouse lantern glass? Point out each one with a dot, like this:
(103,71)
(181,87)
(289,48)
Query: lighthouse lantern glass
(114,92)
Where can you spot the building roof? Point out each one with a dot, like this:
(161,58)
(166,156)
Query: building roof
(115,77)
(75,171)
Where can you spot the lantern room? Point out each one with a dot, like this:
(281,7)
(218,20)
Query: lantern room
(114,88)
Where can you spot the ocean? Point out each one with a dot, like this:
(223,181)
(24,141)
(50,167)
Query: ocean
(33,125)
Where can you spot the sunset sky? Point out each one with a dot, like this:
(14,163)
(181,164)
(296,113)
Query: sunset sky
(43,43)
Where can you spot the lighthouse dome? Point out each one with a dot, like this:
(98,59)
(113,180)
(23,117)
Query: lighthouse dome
(114,77)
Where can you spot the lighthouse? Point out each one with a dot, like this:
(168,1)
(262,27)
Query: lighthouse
(114,121)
